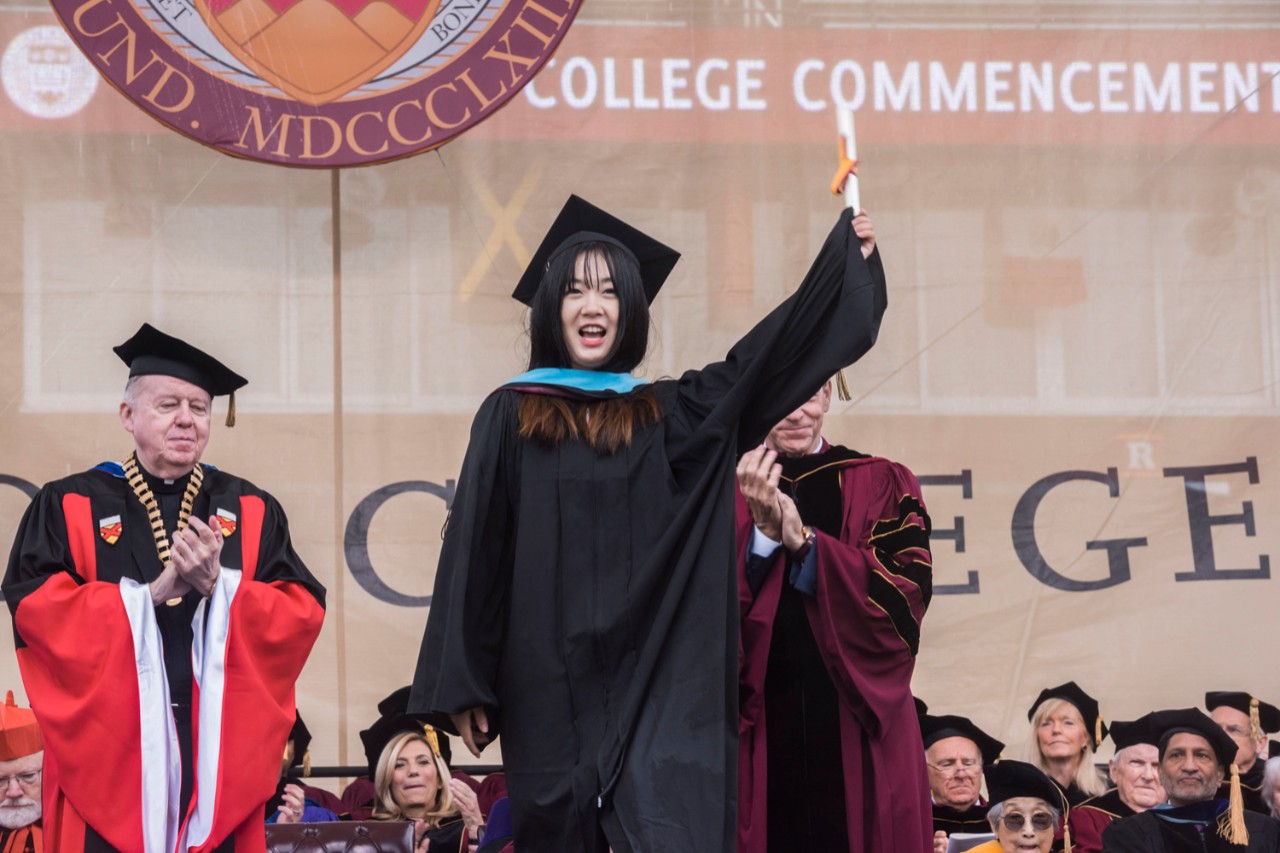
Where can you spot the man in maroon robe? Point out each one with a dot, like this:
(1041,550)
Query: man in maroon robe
(834,579)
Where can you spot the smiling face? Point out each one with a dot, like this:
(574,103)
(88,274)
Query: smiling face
(800,432)
(1025,813)
(1136,771)
(589,313)
(955,772)
(1061,733)
(1189,770)
(414,779)
(169,419)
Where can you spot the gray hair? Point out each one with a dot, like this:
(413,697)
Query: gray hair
(997,811)
(1269,777)
(131,392)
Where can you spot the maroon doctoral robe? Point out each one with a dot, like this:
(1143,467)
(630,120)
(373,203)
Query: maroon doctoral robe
(873,583)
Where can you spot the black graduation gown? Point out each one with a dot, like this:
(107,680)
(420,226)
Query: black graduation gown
(1148,833)
(1250,788)
(589,602)
(949,820)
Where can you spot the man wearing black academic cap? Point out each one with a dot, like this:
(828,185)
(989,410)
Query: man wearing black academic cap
(1135,770)
(1248,720)
(1195,757)
(955,751)
(152,599)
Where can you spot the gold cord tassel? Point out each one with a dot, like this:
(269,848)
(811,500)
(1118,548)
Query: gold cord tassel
(842,387)
(1231,825)
(433,738)
(306,764)
(1255,721)
(231,410)
(1066,836)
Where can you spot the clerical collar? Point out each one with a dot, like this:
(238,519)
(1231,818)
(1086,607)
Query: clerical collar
(161,486)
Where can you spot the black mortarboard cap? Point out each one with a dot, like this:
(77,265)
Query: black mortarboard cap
(580,221)
(1133,732)
(1009,779)
(384,729)
(1264,718)
(396,704)
(1085,704)
(301,738)
(1273,749)
(1165,724)
(150,352)
(934,729)
(921,707)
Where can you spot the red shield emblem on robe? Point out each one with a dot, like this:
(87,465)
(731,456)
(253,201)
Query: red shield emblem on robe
(226,522)
(317,50)
(110,529)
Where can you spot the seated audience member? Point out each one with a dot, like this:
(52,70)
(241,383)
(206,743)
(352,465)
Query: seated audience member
(1135,771)
(1195,756)
(1248,721)
(295,802)
(412,782)
(1066,728)
(393,718)
(1026,808)
(1270,782)
(955,751)
(21,766)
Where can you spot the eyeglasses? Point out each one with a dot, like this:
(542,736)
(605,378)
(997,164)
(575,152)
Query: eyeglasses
(951,767)
(26,780)
(1040,821)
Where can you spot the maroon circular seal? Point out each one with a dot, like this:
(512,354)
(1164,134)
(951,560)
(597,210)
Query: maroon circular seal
(318,83)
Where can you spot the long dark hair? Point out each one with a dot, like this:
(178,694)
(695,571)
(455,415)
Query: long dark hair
(606,425)
(547,347)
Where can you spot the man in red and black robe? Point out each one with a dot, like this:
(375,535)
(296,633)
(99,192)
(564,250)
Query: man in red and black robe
(161,619)
(835,576)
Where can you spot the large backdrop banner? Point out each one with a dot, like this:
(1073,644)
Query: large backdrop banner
(1079,217)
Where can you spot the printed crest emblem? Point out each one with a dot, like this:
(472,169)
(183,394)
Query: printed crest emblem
(319,83)
(110,529)
(226,521)
(317,50)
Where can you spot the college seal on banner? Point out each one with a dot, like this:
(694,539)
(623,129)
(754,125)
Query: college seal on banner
(318,83)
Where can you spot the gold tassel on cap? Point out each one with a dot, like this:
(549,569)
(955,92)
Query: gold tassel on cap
(306,763)
(1231,826)
(1097,730)
(433,739)
(231,410)
(1255,722)
(1066,836)
(842,387)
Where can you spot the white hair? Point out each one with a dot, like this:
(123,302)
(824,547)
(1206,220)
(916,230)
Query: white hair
(1269,777)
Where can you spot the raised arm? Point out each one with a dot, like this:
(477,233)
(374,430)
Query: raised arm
(830,322)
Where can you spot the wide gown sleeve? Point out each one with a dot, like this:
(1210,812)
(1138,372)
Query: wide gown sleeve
(458,664)
(830,322)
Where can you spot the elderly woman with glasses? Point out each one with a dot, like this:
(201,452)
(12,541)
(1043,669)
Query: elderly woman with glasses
(1026,809)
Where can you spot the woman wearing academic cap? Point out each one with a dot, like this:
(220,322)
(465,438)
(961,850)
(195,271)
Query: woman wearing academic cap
(412,782)
(1066,728)
(585,605)
(1026,808)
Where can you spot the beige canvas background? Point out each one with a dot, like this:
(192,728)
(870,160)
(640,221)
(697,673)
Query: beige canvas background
(1070,290)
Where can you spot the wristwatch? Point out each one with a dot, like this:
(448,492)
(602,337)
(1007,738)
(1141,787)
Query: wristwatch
(810,537)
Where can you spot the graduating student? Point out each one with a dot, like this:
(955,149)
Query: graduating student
(154,599)
(584,604)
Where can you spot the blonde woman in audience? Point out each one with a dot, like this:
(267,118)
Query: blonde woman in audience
(1065,730)
(413,783)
